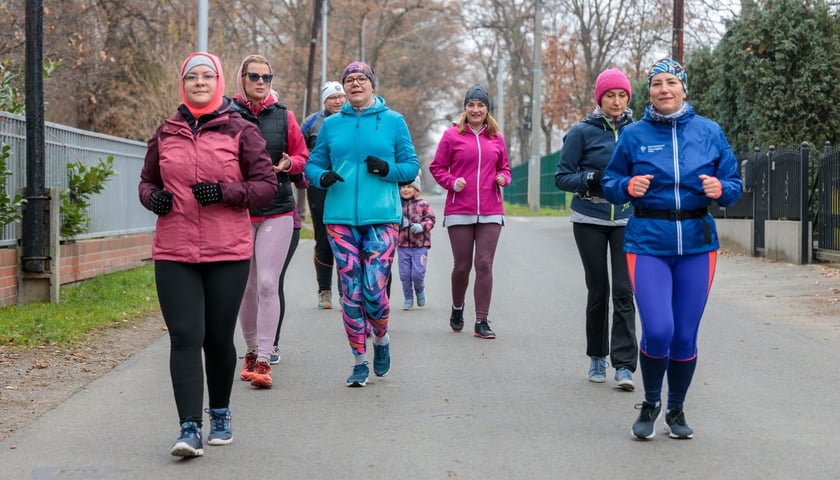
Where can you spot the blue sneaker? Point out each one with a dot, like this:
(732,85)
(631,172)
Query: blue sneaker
(598,369)
(274,359)
(408,304)
(624,379)
(220,432)
(359,376)
(381,359)
(421,299)
(189,444)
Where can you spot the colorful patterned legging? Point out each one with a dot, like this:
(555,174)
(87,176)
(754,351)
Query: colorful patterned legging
(363,255)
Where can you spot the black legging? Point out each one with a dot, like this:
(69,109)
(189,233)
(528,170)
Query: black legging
(595,243)
(323,251)
(199,303)
(292,247)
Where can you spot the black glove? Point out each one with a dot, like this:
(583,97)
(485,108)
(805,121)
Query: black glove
(161,202)
(329,177)
(593,180)
(207,193)
(376,166)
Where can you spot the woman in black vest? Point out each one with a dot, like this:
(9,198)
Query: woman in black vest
(272,225)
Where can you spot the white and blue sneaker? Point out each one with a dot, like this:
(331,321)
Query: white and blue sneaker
(624,379)
(220,431)
(598,369)
(189,444)
(359,376)
(274,359)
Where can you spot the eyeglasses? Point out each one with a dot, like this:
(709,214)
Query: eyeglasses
(207,77)
(361,80)
(255,77)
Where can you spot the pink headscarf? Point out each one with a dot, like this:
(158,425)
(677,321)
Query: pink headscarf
(203,58)
(240,86)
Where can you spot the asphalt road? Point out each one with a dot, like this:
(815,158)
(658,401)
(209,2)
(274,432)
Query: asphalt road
(764,402)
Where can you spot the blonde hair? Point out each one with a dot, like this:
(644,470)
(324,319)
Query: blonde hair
(492,127)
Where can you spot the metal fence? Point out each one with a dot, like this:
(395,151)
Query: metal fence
(550,196)
(116,209)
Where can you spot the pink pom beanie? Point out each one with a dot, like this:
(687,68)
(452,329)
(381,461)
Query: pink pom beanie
(608,80)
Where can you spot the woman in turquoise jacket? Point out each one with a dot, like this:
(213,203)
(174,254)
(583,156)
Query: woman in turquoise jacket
(361,155)
(671,165)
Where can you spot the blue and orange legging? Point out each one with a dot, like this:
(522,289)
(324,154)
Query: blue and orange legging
(671,294)
(363,257)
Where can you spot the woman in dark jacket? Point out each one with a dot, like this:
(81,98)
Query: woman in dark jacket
(273,225)
(598,227)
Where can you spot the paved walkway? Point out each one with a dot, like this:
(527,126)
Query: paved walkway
(764,403)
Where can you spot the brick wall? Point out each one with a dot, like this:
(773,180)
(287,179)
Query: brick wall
(81,260)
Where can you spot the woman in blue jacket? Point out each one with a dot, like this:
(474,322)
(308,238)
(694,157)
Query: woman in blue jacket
(361,155)
(670,166)
(598,227)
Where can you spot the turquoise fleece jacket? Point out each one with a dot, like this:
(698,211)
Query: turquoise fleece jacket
(343,143)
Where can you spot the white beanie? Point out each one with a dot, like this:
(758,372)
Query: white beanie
(330,88)
(416,184)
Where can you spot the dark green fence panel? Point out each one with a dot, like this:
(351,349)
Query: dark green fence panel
(550,196)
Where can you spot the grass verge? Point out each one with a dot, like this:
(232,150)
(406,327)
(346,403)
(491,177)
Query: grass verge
(517,210)
(84,307)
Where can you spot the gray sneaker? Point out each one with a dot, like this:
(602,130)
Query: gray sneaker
(677,428)
(624,379)
(645,426)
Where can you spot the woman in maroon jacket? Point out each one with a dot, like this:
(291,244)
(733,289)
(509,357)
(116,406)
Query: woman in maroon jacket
(204,168)
(471,163)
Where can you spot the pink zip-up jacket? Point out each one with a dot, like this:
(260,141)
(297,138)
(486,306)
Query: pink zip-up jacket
(226,149)
(478,159)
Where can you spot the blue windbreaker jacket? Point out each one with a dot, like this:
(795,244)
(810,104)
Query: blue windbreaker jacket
(344,141)
(676,153)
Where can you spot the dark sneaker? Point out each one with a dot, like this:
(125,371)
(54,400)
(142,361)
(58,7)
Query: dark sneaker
(456,320)
(597,369)
(624,379)
(247,373)
(189,444)
(220,432)
(645,426)
(262,375)
(381,359)
(359,376)
(677,428)
(482,330)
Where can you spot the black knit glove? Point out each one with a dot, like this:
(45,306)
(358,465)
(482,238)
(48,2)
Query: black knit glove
(376,166)
(207,193)
(329,177)
(161,202)
(593,180)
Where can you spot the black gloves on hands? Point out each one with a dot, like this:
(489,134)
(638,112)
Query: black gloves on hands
(207,193)
(329,178)
(161,202)
(376,166)
(593,180)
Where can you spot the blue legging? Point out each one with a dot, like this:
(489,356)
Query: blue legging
(671,294)
(363,256)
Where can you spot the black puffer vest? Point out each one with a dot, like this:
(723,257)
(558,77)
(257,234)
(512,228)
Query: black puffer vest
(274,125)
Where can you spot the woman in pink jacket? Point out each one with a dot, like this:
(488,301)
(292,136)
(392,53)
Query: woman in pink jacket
(204,168)
(471,163)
